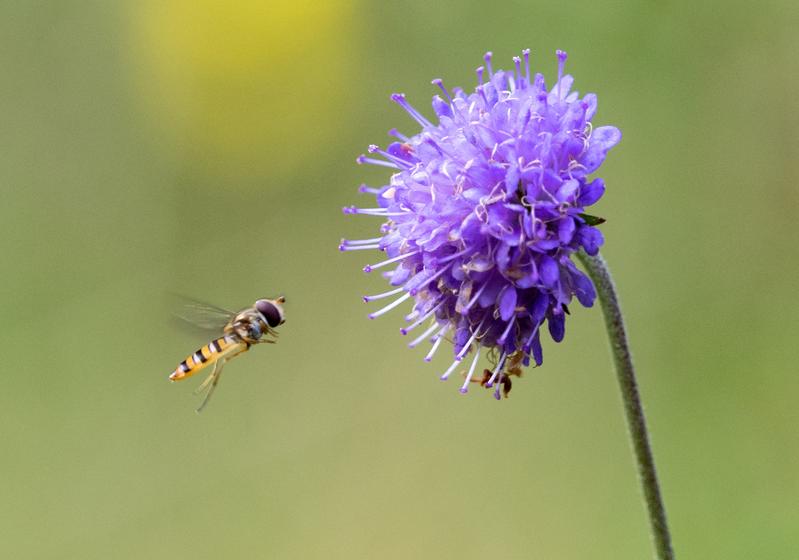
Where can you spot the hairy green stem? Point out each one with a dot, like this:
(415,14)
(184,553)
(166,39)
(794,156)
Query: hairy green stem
(598,271)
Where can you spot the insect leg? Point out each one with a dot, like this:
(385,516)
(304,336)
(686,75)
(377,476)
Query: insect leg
(269,331)
(212,379)
(208,379)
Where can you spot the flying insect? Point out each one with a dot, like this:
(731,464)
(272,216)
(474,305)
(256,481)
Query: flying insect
(240,331)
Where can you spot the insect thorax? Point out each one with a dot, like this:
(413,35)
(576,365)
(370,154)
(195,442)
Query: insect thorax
(249,326)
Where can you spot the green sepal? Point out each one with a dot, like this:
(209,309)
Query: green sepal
(592,220)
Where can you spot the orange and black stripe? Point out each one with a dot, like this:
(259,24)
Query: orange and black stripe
(206,356)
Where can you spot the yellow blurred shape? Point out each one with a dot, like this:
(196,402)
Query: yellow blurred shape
(243,88)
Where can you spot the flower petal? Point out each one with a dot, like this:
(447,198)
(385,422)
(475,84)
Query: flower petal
(557,326)
(591,192)
(507,303)
(589,102)
(591,239)
(602,139)
(567,190)
(441,107)
(566,229)
(548,269)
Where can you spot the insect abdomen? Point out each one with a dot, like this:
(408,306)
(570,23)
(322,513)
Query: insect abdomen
(206,356)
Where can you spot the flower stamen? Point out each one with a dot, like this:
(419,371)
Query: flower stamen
(487,57)
(390,293)
(381,212)
(526,54)
(440,83)
(389,307)
(371,267)
(437,342)
(368,190)
(426,281)
(561,63)
(465,388)
(450,369)
(499,385)
(425,317)
(374,149)
(397,134)
(361,159)
(399,99)
(480,70)
(361,241)
(497,369)
(474,298)
(415,342)
(504,335)
(346,247)
(468,345)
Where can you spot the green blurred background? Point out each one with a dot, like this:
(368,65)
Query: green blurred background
(207,148)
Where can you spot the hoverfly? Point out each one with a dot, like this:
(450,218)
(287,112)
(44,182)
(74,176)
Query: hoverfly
(253,325)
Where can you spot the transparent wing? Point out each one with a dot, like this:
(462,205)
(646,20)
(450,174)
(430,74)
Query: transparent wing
(200,314)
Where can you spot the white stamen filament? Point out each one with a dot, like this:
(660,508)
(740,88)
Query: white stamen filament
(435,276)
(371,267)
(468,344)
(440,83)
(349,242)
(497,369)
(526,53)
(453,256)
(463,389)
(412,315)
(482,92)
(449,371)
(390,157)
(383,295)
(474,299)
(425,317)
(438,338)
(530,338)
(368,190)
(397,134)
(399,98)
(422,336)
(389,307)
(499,384)
(344,247)
(382,212)
(501,339)
(380,162)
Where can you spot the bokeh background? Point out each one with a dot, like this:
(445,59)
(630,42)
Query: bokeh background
(207,147)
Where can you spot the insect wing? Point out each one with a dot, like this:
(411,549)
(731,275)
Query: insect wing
(200,314)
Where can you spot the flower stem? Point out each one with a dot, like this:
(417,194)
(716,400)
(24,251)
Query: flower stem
(598,271)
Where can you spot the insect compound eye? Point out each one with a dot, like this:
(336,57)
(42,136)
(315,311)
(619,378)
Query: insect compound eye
(270,311)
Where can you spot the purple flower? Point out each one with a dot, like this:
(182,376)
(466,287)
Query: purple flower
(483,213)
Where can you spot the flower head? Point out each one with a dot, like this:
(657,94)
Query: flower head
(483,213)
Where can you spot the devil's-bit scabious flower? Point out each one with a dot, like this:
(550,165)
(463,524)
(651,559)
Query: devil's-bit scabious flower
(483,213)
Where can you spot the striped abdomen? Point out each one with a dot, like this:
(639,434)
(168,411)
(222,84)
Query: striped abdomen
(222,347)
